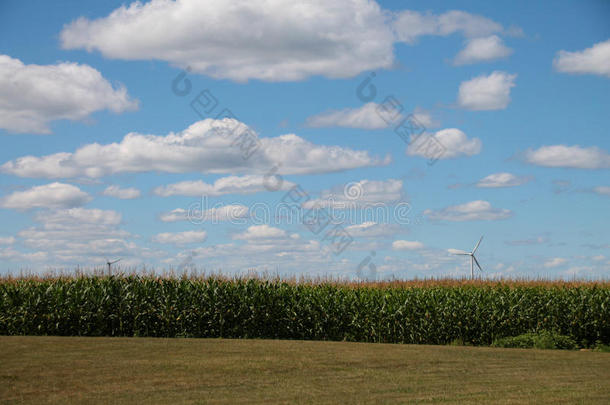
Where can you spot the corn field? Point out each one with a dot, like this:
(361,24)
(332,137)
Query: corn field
(254,308)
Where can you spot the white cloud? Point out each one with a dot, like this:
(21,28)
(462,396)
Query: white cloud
(486,92)
(370,229)
(74,217)
(407,245)
(181,238)
(205,146)
(122,193)
(369,116)
(358,194)
(454,142)
(231,212)
(569,156)
(594,60)
(80,236)
(85,237)
(248,184)
(483,49)
(555,262)
(498,180)
(31,96)
(264,255)
(275,40)
(7,240)
(410,25)
(365,117)
(10,254)
(472,211)
(425,118)
(454,251)
(602,190)
(261,232)
(53,195)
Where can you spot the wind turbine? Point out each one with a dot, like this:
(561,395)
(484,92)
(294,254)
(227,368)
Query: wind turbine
(473,259)
(109,263)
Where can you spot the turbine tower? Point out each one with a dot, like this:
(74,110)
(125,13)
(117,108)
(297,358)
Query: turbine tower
(109,263)
(473,259)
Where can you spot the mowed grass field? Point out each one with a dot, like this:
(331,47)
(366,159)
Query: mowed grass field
(224,371)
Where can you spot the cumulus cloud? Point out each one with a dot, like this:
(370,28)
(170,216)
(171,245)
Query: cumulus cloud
(594,60)
(122,193)
(54,195)
(32,96)
(602,190)
(80,236)
(407,245)
(77,231)
(410,25)
(277,40)
(259,232)
(248,184)
(455,144)
(486,92)
(472,211)
(239,39)
(498,180)
(370,229)
(484,49)
(358,194)
(206,146)
(181,238)
(569,156)
(231,212)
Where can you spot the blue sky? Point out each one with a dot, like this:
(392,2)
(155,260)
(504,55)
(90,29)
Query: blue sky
(516,93)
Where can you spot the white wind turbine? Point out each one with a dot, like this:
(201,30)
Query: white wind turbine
(473,259)
(109,263)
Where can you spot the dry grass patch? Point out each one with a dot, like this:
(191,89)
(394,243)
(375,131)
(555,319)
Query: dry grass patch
(147,370)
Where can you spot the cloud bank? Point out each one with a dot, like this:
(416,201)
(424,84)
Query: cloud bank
(32,96)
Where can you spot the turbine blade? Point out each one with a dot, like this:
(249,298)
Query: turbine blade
(458,252)
(477,246)
(477,263)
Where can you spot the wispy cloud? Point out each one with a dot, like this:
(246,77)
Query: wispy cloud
(472,211)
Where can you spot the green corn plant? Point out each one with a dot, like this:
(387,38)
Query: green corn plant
(212,307)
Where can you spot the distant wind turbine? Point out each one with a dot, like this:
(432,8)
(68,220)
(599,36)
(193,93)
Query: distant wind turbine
(109,263)
(473,259)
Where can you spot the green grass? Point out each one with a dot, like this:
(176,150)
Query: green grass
(541,340)
(219,371)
